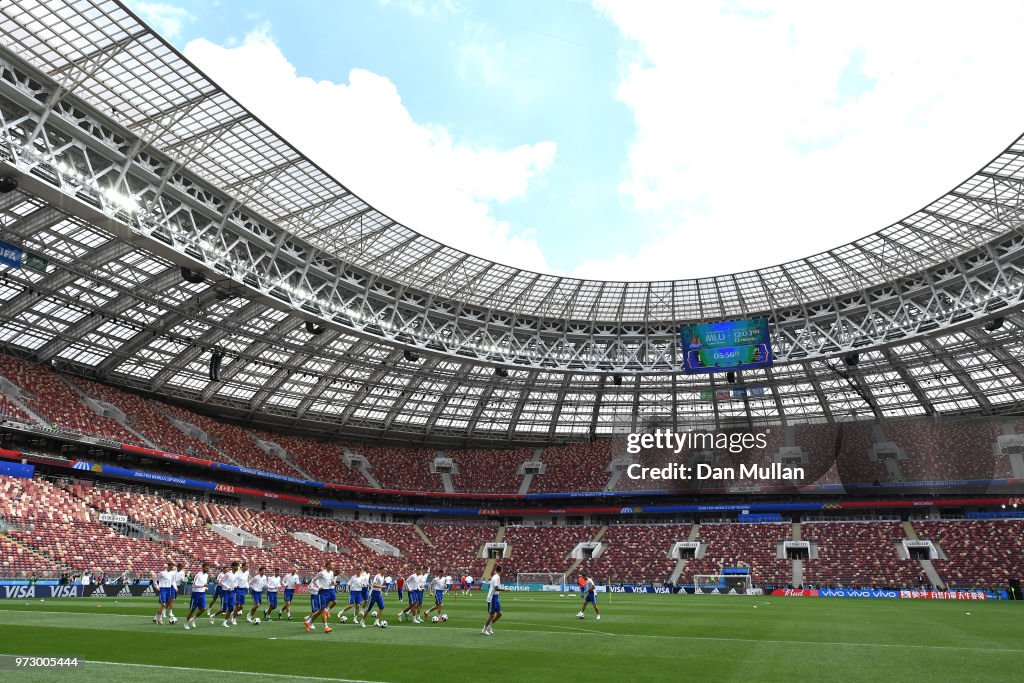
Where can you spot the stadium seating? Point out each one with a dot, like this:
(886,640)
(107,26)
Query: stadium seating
(637,552)
(236,441)
(858,555)
(20,562)
(945,450)
(12,412)
(574,467)
(543,549)
(57,403)
(146,417)
(743,545)
(457,546)
(321,459)
(489,471)
(979,553)
(407,469)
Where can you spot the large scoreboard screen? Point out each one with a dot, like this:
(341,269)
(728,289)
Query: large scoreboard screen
(724,346)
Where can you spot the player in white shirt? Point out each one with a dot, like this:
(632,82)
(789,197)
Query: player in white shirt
(378,584)
(256,585)
(290,581)
(493,601)
(355,597)
(179,583)
(364,587)
(438,586)
(324,583)
(589,595)
(469,585)
(241,588)
(411,583)
(163,581)
(273,586)
(200,583)
(226,581)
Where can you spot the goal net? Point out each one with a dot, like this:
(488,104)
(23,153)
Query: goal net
(542,578)
(722,584)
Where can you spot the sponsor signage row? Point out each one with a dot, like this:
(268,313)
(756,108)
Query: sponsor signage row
(878,593)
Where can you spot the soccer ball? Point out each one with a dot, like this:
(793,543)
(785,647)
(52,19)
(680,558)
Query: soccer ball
(579,615)
(173,620)
(434,620)
(383,624)
(256,621)
(342,619)
(373,614)
(444,617)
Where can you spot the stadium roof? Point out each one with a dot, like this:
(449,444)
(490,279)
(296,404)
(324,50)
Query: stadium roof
(86,84)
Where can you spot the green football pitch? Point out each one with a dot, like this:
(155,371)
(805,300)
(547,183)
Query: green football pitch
(639,638)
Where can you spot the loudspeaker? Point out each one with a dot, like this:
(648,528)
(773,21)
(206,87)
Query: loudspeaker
(410,356)
(191,276)
(617,380)
(313,328)
(730,377)
(8,184)
(215,359)
(994,324)
(852,359)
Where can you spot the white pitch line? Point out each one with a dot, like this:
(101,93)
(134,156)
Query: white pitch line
(262,674)
(636,635)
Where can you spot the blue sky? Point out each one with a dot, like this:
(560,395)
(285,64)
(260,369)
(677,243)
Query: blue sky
(622,140)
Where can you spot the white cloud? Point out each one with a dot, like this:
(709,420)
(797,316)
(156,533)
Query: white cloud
(361,132)
(752,148)
(167,20)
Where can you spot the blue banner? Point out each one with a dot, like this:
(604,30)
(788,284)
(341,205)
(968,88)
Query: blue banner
(16,469)
(10,255)
(29,592)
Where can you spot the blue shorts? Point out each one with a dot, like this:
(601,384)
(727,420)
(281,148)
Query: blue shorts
(198,601)
(365,593)
(218,592)
(272,598)
(591,597)
(239,600)
(377,599)
(355,598)
(438,597)
(289,593)
(314,602)
(412,597)
(494,606)
(166,595)
(227,601)
(257,596)
(174,592)
(327,596)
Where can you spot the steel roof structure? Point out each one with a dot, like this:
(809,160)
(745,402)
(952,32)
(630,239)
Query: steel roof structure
(132,164)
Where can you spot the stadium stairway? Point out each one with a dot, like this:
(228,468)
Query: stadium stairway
(12,393)
(524,486)
(926,565)
(681,564)
(277,450)
(798,565)
(576,563)
(363,469)
(489,566)
(98,407)
(422,534)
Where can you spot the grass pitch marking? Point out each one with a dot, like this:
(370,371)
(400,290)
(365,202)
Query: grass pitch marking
(261,674)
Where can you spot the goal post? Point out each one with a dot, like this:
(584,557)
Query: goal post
(542,578)
(722,584)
